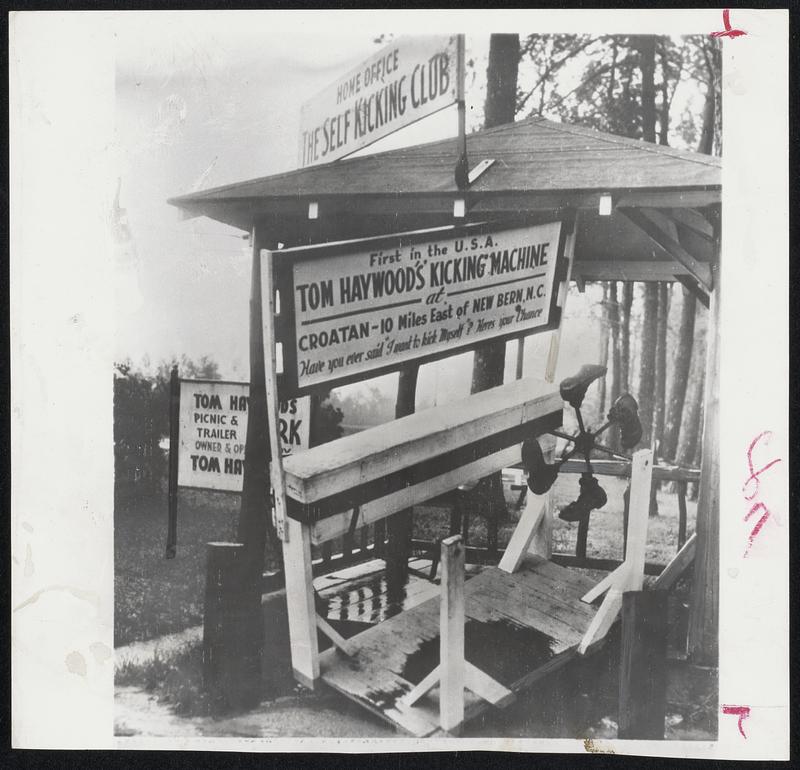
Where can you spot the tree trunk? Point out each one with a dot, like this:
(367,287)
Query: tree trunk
(400,526)
(661,363)
(680,377)
(499,108)
(647,361)
(647,63)
(501,80)
(625,336)
(647,364)
(614,321)
(688,449)
(604,340)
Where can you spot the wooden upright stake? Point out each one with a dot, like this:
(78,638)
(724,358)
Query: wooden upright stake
(296,537)
(642,668)
(232,628)
(174,439)
(254,521)
(462,164)
(451,636)
(703,645)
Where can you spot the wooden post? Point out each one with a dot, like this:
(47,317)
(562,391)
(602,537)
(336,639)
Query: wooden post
(254,521)
(174,440)
(296,537)
(681,491)
(643,661)
(400,526)
(232,628)
(639,516)
(583,535)
(300,604)
(702,644)
(451,636)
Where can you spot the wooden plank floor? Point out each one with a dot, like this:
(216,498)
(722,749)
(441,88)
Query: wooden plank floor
(518,628)
(360,593)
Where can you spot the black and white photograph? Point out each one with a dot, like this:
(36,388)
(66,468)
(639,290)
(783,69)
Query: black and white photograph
(430,380)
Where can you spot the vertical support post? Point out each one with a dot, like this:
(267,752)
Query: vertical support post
(296,537)
(231,631)
(254,521)
(451,636)
(520,358)
(681,491)
(582,537)
(643,661)
(300,603)
(462,164)
(638,516)
(702,645)
(273,398)
(174,439)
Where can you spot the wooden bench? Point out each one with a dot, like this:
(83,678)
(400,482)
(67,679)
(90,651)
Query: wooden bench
(385,469)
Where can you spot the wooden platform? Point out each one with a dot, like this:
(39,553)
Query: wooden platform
(518,628)
(360,594)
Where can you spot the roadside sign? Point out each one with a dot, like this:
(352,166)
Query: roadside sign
(409,79)
(213,430)
(366,307)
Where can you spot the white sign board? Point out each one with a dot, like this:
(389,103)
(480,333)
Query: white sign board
(213,431)
(409,79)
(377,307)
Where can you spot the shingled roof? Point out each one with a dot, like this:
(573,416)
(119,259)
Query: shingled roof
(532,155)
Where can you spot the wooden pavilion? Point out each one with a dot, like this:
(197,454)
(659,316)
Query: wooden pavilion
(643,212)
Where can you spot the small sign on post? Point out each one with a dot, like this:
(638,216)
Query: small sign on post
(213,427)
(407,80)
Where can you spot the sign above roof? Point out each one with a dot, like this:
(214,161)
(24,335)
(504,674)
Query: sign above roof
(407,80)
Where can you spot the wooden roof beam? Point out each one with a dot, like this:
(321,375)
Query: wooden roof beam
(657,227)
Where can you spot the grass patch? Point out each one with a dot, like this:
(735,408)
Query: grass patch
(153,595)
(176,676)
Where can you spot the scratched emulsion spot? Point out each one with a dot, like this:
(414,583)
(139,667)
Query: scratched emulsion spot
(102,652)
(76,663)
(27,527)
(592,748)
(29,568)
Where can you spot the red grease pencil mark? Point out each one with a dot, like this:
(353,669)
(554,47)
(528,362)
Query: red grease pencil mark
(728,32)
(743,712)
(753,481)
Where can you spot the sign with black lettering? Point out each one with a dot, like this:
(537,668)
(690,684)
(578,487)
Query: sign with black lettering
(369,306)
(409,79)
(213,431)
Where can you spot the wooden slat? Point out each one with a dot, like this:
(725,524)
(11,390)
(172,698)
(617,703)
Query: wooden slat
(375,510)
(657,226)
(625,270)
(354,460)
(524,532)
(639,516)
(427,684)
(609,581)
(622,468)
(678,565)
(300,603)
(451,636)
(602,621)
(346,647)
(487,688)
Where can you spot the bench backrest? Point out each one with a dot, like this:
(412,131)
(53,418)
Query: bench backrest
(390,467)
